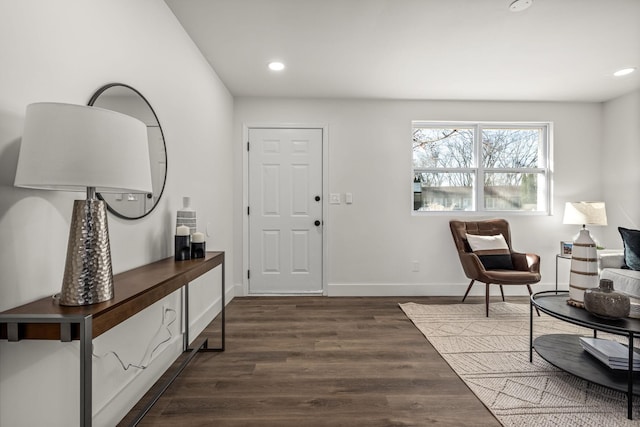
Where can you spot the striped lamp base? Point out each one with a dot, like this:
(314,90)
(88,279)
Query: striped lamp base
(584,268)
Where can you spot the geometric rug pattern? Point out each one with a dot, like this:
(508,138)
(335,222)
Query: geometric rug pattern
(491,355)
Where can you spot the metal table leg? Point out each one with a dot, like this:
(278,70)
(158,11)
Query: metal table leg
(630,379)
(86,372)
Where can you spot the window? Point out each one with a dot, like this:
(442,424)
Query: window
(495,167)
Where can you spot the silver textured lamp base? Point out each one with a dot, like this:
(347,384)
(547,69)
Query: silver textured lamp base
(88,276)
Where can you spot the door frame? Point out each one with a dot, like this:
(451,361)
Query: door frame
(245,195)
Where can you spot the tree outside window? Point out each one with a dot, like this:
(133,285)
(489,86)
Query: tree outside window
(509,160)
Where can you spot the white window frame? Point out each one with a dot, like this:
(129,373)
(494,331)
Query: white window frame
(478,170)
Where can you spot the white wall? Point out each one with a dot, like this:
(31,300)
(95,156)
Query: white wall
(63,51)
(373,242)
(620,168)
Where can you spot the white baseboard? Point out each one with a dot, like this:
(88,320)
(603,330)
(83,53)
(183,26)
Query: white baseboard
(416,289)
(238,289)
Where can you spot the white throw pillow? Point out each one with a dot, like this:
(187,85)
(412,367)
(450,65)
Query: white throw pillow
(493,251)
(486,243)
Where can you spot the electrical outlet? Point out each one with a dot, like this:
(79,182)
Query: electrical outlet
(415,266)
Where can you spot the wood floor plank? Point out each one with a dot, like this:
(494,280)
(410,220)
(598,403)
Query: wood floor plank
(318,361)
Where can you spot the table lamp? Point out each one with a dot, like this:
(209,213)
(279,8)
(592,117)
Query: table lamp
(80,148)
(584,256)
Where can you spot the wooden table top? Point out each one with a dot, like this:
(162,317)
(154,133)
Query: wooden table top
(134,290)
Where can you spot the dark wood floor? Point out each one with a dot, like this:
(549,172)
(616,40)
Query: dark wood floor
(317,361)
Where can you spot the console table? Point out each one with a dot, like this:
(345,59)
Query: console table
(565,352)
(134,291)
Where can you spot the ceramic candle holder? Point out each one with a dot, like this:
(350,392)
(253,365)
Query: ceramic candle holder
(198,249)
(182,248)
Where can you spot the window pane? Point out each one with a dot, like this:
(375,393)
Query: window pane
(442,147)
(480,166)
(443,191)
(514,191)
(511,148)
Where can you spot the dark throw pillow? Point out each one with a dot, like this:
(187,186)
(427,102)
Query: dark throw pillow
(492,251)
(631,240)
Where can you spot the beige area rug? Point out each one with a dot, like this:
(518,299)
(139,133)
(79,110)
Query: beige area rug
(491,355)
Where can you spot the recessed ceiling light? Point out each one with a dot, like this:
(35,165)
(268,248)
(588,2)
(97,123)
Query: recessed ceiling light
(520,5)
(276,66)
(624,72)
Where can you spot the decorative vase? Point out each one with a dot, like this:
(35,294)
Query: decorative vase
(186,215)
(605,302)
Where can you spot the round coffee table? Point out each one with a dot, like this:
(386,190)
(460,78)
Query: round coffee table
(565,352)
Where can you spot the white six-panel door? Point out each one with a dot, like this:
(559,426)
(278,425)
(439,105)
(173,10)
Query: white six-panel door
(285,211)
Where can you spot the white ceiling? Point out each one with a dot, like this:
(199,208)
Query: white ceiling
(557,50)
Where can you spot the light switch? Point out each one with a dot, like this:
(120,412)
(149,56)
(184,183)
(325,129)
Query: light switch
(334,198)
(348,198)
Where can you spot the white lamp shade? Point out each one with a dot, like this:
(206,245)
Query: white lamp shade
(585,213)
(72,147)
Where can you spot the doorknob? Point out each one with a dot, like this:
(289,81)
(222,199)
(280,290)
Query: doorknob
(317,223)
(317,198)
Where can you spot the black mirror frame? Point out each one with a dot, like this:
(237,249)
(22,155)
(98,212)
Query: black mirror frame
(93,99)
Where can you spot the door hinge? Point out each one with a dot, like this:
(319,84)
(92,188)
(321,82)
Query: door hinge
(248,274)
(247,145)
(247,210)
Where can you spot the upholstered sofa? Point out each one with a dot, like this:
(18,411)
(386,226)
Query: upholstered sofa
(610,265)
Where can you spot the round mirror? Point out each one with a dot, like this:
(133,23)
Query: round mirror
(125,99)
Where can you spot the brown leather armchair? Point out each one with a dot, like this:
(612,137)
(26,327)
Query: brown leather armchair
(526,266)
